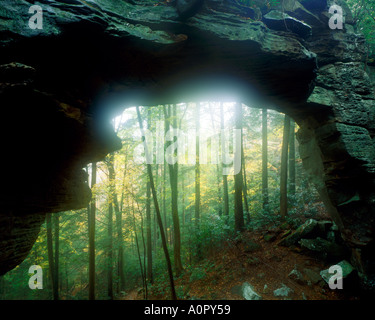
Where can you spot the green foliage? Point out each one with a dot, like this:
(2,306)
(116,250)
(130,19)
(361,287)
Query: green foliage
(210,237)
(214,230)
(364,18)
(259,3)
(273,3)
(197,274)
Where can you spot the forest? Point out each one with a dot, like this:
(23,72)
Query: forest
(205,200)
(154,221)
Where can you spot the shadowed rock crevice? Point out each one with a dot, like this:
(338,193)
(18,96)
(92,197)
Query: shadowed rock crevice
(60,86)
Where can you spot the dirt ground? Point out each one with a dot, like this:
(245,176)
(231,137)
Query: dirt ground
(266,267)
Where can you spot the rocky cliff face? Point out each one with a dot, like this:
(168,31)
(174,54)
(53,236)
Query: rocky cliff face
(60,85)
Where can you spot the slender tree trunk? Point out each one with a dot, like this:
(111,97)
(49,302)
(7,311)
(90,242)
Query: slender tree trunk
(120,266)
(144,254)
(219,193)
(66,277)
(197,166)
(166,128)
(183,197)
(148,232)
(246,204)
(138,251)
(264,159)
(156,204)
(173,175)
(153,215)
(110,248)
(118,214)
(284,169)
(219,197)
(148,220)
(156,232)
(50,254)
(292,159)
(197,176)
(92,218)
(159,172)
(2,287)
(111,194)
(175,215)
(57,254)
(164,199)
(134,251)
(239,223)
(225,178)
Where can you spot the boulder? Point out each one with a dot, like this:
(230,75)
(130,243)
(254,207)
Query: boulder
(311,276)
(281,21)
(302,232)
(283,291)
(249,293)
(297,276)
(347,269)
(265,289)
(326,248)
(299,11)
(305,276)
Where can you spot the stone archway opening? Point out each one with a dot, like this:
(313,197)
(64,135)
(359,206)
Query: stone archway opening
(61,86)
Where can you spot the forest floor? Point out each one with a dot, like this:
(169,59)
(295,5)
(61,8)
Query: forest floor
(255,259)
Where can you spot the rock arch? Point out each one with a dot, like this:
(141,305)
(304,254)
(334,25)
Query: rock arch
(60,85)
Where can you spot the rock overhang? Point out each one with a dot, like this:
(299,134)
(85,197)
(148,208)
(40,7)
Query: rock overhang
(95,57)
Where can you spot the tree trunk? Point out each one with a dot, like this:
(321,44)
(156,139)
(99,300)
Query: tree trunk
(183,197)
(197,166)
(164,198)
(166,128)
(246,204)
(148,233)
(197,176)
(173,176)
(144,254)
(292,159)
(284,169)
(66,276)
(154,223)
(57,254)
(156,204)
(120,266)
(148,220)
(50,254)
(225,178)
(92,217)
(218,175)
(2,288)
(118,213)
(239,223)
(111,191)
(264,160)
(110,248)
(138,252)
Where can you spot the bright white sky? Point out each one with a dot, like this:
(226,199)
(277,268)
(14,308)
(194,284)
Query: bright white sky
(205,117)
